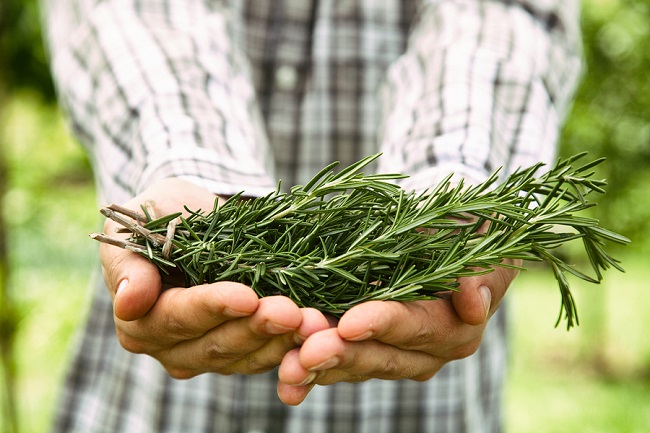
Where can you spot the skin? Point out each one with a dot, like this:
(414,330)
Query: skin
(393,340)
(225,328)
(222,328)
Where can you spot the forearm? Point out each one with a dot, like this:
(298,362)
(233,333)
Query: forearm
(483,84)
(159,89)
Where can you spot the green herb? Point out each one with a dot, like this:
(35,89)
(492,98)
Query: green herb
(345,237)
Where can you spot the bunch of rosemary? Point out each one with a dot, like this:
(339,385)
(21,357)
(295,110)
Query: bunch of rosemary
(346,237)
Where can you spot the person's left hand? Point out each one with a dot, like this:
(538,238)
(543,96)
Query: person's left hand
(395,340)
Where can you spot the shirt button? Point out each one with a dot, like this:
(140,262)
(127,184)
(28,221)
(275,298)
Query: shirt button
(286,77)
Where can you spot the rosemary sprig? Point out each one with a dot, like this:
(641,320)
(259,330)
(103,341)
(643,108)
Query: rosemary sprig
(346,237)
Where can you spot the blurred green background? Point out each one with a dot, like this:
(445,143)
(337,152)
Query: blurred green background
(595,378)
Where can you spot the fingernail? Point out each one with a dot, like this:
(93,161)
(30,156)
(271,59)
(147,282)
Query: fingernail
(299,339)
(275,329)
(364,336)
(486,296)
(121,286)
(326,365)
(309,379)
(235,313)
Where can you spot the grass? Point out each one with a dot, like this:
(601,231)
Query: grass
(592,379)
(595,378)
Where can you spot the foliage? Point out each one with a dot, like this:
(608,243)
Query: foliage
(46,212)
(611,114)
(346,238)
(25,60)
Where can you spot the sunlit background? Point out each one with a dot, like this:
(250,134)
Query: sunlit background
(595,378)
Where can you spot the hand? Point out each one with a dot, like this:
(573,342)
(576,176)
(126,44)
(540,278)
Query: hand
(393,340)
(221,327)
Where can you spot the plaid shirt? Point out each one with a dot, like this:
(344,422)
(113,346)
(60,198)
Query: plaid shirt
(233,95)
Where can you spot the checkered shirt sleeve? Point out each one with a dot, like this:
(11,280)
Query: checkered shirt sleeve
(156,89)
(483,85)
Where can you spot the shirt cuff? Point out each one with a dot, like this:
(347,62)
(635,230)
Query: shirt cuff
(428,178)
(220,174)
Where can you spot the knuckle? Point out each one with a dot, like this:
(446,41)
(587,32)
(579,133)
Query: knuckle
(324,378)
(176,328)
(215,352)
(422,336)
(399,367)
(268,356)
(254,365)
(467,349)
(130,343)
(394,368)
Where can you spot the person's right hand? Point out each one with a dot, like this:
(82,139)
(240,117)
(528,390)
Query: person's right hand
(221,327)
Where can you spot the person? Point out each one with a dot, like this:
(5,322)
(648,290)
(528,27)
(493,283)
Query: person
(179,101)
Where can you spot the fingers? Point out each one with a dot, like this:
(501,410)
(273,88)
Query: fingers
(430,326)
(294,381)
(385,340)
(313,321)
(220,328)
(326,358)
(417,325)
(181,314)
(296,326)
(293,395)
(473,303)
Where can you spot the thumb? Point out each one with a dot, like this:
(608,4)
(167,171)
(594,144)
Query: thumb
(133,282)
(473,303)
(478,297)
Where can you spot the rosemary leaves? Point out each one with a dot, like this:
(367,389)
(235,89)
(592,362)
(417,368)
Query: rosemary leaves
(346,237)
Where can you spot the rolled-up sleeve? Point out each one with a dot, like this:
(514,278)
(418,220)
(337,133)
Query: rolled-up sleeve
(159,89)
(482,85)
